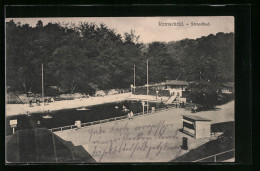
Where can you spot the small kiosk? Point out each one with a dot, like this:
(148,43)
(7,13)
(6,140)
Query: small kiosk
(196,126)
(78,124)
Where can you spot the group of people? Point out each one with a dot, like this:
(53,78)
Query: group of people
(194,109)
(38,102)
(130,115)
(182,104)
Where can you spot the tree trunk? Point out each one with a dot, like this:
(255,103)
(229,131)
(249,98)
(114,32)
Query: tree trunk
(30,87)
(73,87)
(179,73)
(24,88)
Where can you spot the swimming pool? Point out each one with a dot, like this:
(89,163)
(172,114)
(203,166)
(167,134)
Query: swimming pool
(67,117)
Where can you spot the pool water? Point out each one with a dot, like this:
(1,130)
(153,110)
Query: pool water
(67,117)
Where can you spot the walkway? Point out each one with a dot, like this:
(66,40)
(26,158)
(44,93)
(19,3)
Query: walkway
(151,138)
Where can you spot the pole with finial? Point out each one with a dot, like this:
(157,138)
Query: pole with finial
(134,79)
(42,84)
(147,86)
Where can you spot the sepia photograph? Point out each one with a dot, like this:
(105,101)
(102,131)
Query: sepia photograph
(120,89)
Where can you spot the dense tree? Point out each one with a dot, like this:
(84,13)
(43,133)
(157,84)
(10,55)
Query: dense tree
(88,57)
(206,58)
(27,48)
(162,67)
(206,93)
(21,59)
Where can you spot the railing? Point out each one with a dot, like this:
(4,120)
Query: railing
(107,120)
(213,156)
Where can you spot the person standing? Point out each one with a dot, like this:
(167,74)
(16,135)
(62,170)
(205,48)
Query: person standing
(129,116)
(30,102)
(38,102)
(195,108)
(132,115)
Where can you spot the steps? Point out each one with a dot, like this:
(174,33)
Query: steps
(171,99)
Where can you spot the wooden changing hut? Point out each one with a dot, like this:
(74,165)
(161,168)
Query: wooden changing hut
(196,126)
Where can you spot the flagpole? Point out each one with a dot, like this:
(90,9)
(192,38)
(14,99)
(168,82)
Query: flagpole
(42,84)
(147,86)
(134,79)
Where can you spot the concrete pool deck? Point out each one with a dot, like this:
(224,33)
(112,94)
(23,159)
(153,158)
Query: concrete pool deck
(150,138)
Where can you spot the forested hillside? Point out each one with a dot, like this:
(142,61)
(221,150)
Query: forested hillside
(206,58)
(87,57)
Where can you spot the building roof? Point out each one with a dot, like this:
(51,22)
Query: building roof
(176,82)
(229,84)
(182,83)
(41,145)
(168,82)
(196,118)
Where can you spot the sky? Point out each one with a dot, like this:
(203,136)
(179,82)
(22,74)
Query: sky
(151,29)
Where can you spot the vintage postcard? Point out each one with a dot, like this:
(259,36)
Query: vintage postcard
(120,89)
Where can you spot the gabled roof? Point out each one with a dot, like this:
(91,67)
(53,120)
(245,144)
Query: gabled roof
(168,82)
(229,84)
(175,82)
(196,118)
